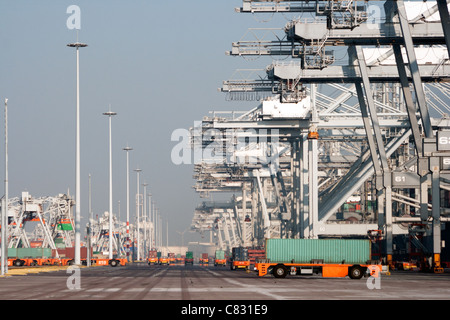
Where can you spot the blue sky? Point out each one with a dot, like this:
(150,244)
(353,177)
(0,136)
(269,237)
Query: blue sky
(158,64)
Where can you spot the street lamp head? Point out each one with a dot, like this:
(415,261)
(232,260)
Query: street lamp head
(77,45)
(109,113)
(127,149)
(137,170)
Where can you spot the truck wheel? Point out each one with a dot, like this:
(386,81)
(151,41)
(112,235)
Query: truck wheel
(17,263)
(279,271)
(113,263)
(355,272)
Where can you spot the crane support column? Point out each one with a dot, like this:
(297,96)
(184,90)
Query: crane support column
(445,20)
(436,213)
(383,173)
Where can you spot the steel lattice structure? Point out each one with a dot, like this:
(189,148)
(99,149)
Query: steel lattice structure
(372,128)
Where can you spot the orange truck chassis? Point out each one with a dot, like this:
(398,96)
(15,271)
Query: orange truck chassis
(281,270)
(29,262)
(240,265)
(218,262)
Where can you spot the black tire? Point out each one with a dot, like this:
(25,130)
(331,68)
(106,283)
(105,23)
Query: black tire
(279,271)
(356,272)
(17,263)
(113,263)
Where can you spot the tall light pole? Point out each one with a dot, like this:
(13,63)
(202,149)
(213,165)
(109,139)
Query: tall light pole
(4,221)
(88,260)
(127,149)
(137,216)
(150,231)
(77,45)
(111,235)
(182,238)
(144,215)
(154,224)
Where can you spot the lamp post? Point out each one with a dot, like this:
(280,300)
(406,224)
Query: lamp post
(144,216)
(77,45)
(4,221)
(89,229)
(150,230)
(137,216)
(111,235)
(182,238)
(127,149)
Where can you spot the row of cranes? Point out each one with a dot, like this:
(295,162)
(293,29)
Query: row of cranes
(371,130)
(48,222)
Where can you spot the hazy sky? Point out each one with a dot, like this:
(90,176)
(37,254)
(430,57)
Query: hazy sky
(157,63)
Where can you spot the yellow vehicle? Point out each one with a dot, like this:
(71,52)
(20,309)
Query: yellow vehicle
(164,260)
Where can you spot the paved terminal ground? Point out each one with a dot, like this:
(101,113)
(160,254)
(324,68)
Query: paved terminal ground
(139,281)
(208,292)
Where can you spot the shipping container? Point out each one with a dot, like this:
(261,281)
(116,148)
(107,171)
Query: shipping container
(152,257)
(22,253)
(69,252)
(329,257)
(220,254)
(204,258)
(350,251)
(239,254)
(219,259)
(189,258)
(239,258)
(29,256)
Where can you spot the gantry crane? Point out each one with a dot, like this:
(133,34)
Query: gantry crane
(396,141)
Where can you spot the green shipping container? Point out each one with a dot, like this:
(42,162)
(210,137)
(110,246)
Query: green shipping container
(64,226)
(220,254)
(189,255)
(22,253)
(329,250)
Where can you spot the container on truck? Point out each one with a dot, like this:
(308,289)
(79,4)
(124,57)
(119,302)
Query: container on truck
(328,257)
(62,256)
(219,258)
(29,256)
(189,258)
(204,259)
(239,258)
(152,257)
